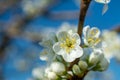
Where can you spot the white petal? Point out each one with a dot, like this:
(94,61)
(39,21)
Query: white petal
(105,8)
(43,55)
(70,32)
(95,31)
(103,1)
(77,52)
(85,42)
(67,57)
(46,43)
(52,36)
(62,35)
(57,49)
(47,55)
(86,30)
(77,38)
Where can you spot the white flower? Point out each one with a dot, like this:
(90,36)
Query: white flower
(68,46)
(48,54)
(105,2)
(58,68)
(91,36)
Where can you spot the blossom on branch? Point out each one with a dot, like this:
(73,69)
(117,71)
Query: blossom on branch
(68,46)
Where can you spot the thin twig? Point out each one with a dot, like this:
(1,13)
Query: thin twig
(83,11)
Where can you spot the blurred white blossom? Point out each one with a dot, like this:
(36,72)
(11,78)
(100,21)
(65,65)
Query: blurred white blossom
(48,54)
(38,73)
(112,44)
(32,7)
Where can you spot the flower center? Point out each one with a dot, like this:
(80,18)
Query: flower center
(93,32)
(68,44)
(94,41)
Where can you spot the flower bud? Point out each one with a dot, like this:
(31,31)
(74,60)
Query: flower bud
(104,63)
(52,76)
(83,65)
(95,57)
(58,68)
(76,70)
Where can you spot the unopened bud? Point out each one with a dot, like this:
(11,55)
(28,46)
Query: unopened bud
(83,65)
(104,63)
(58,68)
(52,76)
(76,70)
(95,57)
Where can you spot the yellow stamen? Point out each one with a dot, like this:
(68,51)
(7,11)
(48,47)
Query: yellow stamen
(68,44)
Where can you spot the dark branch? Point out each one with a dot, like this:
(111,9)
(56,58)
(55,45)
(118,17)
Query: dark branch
(83,11)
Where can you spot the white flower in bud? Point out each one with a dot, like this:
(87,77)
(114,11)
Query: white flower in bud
(104,63)
(68,46)
(96,56)
(76,70)
(91,36)
(58,68)
(83,65)
(52,76)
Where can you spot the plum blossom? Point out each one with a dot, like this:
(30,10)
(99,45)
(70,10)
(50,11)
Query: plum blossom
(68,46)
(91,36)
(48,54)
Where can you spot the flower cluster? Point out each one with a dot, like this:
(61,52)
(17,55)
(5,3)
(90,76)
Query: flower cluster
(68,55)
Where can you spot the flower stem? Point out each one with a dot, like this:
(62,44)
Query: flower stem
(83,10)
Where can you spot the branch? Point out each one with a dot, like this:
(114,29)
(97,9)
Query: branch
(83,11)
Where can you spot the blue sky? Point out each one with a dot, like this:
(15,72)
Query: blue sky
(94,18)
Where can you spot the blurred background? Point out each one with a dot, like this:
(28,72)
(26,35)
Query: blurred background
(23,24)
